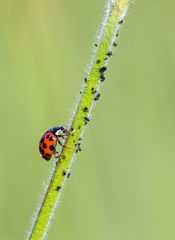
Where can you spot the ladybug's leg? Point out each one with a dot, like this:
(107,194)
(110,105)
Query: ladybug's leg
(60,143)
(57,155)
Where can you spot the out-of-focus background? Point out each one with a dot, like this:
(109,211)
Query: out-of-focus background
(123,183)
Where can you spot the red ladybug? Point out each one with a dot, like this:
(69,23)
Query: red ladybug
(48,142)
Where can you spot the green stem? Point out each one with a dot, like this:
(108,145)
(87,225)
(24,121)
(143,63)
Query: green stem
(114,17)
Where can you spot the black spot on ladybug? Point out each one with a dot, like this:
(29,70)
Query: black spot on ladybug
(93,91)
(109,53)
(63,172)
(114,44)
(48,136)
(51,147)
(44,145)
(97,97)
(51,139)
(42,140)
(120,22)
(47,155)
(85,109)
(85,80)
(98,61)
(68,175)
(58,188)
(102,69)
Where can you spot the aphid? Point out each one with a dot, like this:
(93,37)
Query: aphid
(68,175)
(109,53)
(120,22)
(102,77)
(86,119)
(102,69)
(79,147)
(72,129)
(85,109)
(76,151)
(97,97)
(93,91)
(58,188)
(63,172)
(48,142)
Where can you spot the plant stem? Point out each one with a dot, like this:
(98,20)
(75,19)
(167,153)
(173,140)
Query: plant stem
(106,40)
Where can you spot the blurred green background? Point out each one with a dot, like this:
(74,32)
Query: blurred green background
(123,183)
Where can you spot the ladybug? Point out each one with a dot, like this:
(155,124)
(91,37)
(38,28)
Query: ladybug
(48,142)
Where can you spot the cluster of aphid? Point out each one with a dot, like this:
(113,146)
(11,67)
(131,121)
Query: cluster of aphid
(49,140)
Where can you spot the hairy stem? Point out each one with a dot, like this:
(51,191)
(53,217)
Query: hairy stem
(90,93)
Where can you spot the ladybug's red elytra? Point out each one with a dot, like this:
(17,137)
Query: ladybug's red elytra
(48,142)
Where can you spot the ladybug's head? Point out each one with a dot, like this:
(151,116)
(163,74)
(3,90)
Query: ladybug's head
(59,131)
